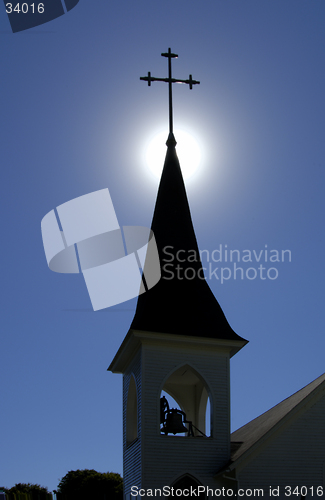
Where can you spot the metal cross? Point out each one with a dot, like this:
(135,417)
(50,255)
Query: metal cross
(170,81)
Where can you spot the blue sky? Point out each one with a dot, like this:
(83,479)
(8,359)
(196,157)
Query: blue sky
(75,118)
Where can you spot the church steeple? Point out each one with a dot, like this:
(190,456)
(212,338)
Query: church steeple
(179,343)
(182,302)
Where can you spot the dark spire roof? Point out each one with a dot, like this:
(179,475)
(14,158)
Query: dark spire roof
(179,305)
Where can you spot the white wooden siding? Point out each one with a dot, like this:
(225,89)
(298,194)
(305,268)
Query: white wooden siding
(294,456)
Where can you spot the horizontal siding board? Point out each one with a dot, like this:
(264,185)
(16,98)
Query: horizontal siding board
(132,453)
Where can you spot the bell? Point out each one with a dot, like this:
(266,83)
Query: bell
(174,422)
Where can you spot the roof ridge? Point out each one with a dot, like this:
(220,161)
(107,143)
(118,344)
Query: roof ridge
(286,399)
(252,432)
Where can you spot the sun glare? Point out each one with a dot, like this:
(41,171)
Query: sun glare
(187,148)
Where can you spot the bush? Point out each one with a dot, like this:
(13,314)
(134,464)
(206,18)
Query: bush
(89,484)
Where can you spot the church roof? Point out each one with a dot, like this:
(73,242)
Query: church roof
(182,302)
(252,435)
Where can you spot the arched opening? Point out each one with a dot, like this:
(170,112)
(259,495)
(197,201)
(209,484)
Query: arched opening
(192,410)
(185,484)
(131,413)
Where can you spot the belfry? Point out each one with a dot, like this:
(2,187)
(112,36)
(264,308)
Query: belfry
(179,342)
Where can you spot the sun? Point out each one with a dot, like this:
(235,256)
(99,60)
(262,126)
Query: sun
(187,148)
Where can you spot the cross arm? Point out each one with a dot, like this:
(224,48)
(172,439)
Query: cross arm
(150,79)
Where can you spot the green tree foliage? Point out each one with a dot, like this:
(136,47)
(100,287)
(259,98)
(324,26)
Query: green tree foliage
(28,491)
(90,485)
